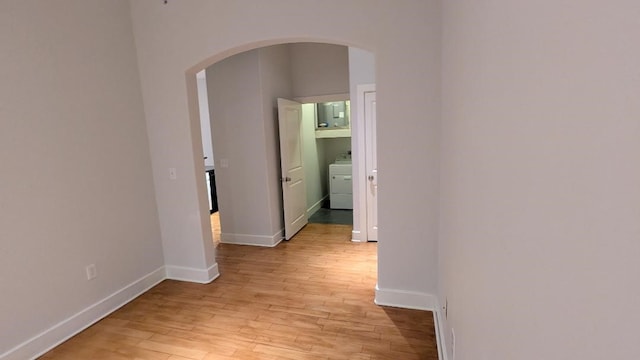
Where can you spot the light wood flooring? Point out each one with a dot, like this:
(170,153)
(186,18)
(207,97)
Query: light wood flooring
(309,298)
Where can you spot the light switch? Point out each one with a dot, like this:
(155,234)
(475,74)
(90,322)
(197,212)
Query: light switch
(224,163)
(172,173)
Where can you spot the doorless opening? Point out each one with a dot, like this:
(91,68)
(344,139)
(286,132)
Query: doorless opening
(227,159)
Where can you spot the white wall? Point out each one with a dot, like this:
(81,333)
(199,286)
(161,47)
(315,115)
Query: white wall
(236,113)
(76,184)
(319,69)
(275,82)
(405,38)
(539,188)
(205,120)
(314,158)
(540,197)
(407,55)
(334,147)
(362,70)
(242,95)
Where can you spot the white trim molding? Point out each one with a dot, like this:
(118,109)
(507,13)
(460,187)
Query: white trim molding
(405,299)
(417,301)
(322,98)
(254,240)
(201,276)
(358,151)
(74,324)
(315,207)
(356,236)
(439,327)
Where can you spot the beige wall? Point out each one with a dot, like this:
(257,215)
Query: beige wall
(405,39)
(534,192)
(235,101)
(76,185)
(319,69)
(540,188)
(242,93)
(276,82)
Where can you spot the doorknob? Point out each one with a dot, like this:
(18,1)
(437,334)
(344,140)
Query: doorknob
(370,177)
(286,179)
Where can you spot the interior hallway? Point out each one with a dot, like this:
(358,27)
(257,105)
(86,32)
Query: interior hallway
(308,298)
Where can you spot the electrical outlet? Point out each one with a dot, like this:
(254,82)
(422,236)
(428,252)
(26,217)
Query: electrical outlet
(92,272)
(453,344)
(172,174)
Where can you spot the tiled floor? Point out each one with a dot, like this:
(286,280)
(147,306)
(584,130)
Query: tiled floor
(332,216)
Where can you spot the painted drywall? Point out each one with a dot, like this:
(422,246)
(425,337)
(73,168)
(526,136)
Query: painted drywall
(275,82)
(405,38)
(540,173)
(243,90)
(313,152)
(361,72)
(334,147)
(407,55)
(77,186)
(319,69)
(236,109)
(205,120)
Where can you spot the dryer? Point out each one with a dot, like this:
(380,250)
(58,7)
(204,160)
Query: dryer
(340,185)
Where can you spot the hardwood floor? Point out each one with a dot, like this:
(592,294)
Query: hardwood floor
(309,298)
(215,228)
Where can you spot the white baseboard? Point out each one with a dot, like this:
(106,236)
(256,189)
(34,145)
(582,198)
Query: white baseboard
(201,276)
(254,240)
(405,299)
(69,327)
(315,207)
(440,338)
(418,301)
(357,236)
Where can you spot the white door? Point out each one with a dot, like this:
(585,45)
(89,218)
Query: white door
(294,192)
(371,165)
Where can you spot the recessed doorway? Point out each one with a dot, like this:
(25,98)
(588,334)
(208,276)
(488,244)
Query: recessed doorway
(233,140)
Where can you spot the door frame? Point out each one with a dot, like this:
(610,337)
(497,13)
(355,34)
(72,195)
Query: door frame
(358,147)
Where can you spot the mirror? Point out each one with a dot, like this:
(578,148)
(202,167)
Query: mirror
(333,115)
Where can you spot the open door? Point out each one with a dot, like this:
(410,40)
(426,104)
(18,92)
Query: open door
(294,192)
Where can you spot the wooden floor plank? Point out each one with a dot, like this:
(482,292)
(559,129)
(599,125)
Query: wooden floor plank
(308,298)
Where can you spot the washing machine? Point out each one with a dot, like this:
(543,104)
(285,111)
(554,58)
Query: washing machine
(340,185)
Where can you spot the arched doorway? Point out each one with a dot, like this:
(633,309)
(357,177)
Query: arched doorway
(357,145)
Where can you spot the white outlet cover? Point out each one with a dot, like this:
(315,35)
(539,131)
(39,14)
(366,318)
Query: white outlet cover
(92,272)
